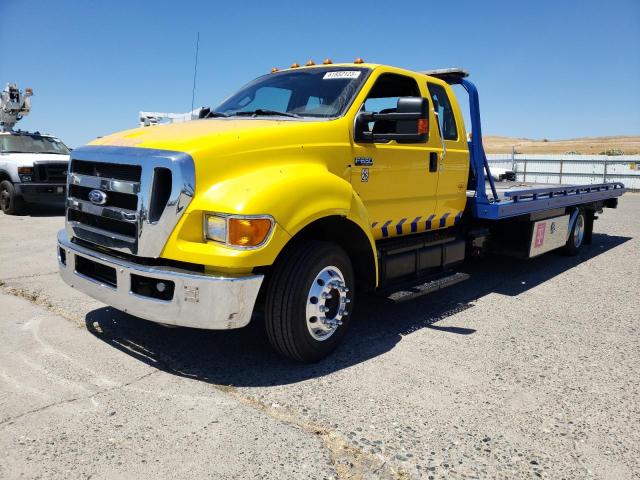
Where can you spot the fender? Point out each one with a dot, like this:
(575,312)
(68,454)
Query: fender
(295,194)
(12,174)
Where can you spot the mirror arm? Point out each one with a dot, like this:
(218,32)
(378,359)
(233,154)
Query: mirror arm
(387,137)
(394,117)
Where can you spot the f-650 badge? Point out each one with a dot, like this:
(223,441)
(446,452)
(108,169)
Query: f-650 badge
(364,161)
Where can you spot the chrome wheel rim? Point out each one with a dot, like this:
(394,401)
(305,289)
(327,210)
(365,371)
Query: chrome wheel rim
(578,231)
(5,199)
(327,303)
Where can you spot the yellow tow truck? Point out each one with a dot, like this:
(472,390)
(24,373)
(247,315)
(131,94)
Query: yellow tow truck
(305,186)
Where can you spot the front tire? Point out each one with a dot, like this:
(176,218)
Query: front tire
(10,202)
(309,300)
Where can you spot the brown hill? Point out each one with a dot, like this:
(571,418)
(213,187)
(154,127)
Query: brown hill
(630,145)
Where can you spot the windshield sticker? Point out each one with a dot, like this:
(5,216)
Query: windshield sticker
(341,74)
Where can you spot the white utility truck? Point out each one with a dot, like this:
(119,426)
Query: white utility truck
(33,166)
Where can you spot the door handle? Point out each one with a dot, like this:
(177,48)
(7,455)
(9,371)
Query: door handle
(433,161)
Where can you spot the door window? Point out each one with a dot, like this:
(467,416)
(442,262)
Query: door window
(383,98)
(443,108)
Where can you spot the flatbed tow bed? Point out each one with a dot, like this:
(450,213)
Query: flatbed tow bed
(514,198)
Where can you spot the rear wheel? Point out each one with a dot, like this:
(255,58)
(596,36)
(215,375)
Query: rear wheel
(10,202)
(309,301)
(576,237)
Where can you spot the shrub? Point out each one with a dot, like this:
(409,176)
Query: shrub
(612,152)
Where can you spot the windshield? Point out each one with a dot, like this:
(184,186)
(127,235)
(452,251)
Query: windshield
(31,144)
(311,92)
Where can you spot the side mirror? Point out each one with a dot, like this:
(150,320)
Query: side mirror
(411,120)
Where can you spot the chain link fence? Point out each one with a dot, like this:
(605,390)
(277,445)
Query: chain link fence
(571,169)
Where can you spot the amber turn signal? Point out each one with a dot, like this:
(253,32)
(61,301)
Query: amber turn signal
(248,232)
(423,126)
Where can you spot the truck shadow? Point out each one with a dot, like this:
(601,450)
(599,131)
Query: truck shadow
(37,210)
(244,358)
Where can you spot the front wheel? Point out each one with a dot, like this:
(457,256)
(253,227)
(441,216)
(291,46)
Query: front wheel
(10,202)
(309,300)
(576,237)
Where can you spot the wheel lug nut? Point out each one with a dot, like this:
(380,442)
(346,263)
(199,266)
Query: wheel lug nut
(323,308)
(326,295)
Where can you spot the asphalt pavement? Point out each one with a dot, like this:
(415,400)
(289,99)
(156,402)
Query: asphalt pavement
(529,369)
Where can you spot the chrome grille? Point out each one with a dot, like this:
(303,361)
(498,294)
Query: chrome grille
(142,195)
(50,172)
(107,170)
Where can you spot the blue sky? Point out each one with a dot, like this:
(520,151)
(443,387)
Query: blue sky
(545,69)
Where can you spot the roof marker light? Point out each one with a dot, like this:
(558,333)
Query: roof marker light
(327,61)
(310,63)
(358,60)
(275,69)
(295,65)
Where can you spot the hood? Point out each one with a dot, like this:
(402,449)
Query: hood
(27,159)
(222,135)
(225,148)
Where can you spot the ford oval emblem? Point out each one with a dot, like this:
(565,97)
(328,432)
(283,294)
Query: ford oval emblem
(97,197)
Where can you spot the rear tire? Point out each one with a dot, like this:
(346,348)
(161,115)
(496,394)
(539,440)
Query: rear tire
(10,202)
(576,237)
(309,300)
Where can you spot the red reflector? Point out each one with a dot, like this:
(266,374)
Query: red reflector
(423,126)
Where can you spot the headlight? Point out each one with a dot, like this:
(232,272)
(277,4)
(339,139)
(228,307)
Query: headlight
(216,228)
(25,174)
(238,231)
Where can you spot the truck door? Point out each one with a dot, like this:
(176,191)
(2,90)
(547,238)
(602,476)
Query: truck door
(394,180)
(454,157)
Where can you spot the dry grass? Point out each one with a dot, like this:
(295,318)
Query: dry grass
(630,145)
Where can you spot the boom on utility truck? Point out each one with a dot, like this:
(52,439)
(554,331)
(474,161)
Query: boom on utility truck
(305,186)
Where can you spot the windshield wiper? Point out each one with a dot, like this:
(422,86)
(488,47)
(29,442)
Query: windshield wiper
(206,112)
(261,112)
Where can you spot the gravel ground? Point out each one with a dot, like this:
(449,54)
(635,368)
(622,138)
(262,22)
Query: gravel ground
(529,369)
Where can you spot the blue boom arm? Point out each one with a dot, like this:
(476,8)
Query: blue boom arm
(521,201)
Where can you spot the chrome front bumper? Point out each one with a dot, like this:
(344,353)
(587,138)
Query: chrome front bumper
(198,300)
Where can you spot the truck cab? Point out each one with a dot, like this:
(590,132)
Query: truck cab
(306,186)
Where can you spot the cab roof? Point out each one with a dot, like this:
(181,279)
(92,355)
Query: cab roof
(440,74)
(24,132)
